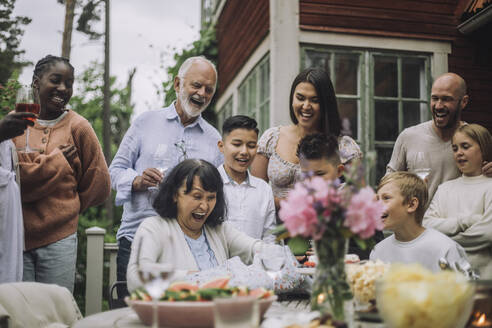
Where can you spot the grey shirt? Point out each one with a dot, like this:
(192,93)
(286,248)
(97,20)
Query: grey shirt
(423,138)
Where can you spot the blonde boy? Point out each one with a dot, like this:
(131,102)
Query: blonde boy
(405,196)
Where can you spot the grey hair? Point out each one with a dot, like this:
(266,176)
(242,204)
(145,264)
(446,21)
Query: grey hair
(189,61)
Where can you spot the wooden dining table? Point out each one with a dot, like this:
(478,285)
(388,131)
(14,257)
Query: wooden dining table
(127,318)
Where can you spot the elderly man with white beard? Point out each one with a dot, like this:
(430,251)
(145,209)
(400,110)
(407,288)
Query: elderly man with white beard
(156,142)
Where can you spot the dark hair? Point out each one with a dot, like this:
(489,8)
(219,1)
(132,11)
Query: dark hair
(239,122)
(319,78)
(185,171)
(43,64)
(317,146)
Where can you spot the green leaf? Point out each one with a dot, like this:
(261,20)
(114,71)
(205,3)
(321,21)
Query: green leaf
(298,245)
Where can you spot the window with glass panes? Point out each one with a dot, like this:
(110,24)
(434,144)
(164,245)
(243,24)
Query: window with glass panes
(254,94)
(379,94)
(224,113)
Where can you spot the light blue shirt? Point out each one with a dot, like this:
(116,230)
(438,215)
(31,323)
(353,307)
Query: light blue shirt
(203,254)
(158,131)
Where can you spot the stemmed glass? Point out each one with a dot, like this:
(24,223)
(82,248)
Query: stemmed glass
(160,162)
(422,165)
(156,278)
(24,102)
(273,259)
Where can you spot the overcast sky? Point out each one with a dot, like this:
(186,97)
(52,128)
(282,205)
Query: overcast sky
(141,30)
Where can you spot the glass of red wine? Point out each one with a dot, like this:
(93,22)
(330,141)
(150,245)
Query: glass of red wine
(25,103)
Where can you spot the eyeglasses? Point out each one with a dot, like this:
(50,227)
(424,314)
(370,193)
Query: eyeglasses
(181,145)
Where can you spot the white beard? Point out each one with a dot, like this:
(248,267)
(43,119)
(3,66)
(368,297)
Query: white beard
(189,109)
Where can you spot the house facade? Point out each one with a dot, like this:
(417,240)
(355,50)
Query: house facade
(382,57)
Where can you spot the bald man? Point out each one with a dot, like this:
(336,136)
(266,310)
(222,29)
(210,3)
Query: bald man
(448,100)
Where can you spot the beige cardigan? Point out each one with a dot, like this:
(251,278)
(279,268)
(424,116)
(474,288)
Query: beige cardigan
(162,240)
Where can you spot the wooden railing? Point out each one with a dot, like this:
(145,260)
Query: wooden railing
(95,268)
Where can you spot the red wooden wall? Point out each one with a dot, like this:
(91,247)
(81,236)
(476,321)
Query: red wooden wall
(242,25)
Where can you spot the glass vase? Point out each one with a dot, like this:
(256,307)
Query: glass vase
(330,288)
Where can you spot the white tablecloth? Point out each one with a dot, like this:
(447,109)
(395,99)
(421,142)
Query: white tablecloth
(126,318)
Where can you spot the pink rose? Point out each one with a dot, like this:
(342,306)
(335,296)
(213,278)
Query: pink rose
(363,215)
(297,212)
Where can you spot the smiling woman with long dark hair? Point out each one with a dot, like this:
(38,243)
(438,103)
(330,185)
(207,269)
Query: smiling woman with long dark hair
(64,175)
(190,231)
(313,109)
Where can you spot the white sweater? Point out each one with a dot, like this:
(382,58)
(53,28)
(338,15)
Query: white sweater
(162,240)
(426,249)
(462,209)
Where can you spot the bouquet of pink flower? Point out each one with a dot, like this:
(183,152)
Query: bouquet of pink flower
(317,209)
(330,214)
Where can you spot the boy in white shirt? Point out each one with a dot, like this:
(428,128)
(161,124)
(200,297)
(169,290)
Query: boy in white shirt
(405,196)
(250,204)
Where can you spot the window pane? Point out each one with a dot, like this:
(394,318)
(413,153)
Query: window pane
(386,119)
(385,77)
(411,114)
(252,91)
(242,99)
(412,69)
(264,117)
(383,157)
(348,116)
(265,81)
(317,59)
(346,67)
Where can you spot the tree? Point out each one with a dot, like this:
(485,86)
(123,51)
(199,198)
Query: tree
(91,12)
(88,103)
(10,36)
(68,27)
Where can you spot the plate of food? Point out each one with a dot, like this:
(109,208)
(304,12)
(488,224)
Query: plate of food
(362,277)
(187,305)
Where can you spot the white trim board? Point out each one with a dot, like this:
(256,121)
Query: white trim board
(439,49)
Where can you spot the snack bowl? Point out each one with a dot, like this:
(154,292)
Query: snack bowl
(443,300)
(184,314)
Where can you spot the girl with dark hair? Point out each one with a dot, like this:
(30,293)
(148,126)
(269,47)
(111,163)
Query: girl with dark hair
(66,174)
(190,230)
(313,109)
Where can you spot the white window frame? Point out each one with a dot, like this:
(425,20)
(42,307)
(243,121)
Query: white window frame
(437,52)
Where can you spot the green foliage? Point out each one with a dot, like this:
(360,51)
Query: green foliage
(7,96)
(90,14)
(205,46)
(10,38)
(89,104)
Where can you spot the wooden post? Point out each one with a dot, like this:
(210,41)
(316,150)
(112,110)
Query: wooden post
(112,248)
(94,267)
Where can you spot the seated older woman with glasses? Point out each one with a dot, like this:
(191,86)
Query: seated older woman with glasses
(190,231)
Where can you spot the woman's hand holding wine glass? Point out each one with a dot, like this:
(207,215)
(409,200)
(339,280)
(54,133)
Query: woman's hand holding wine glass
(25,103)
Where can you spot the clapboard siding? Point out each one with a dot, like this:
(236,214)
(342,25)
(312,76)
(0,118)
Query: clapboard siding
(242,25)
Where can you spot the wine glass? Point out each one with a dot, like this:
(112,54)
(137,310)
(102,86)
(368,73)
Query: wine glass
(273,259)
(24,102)
(156,278)
(422,165)
(160,161)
